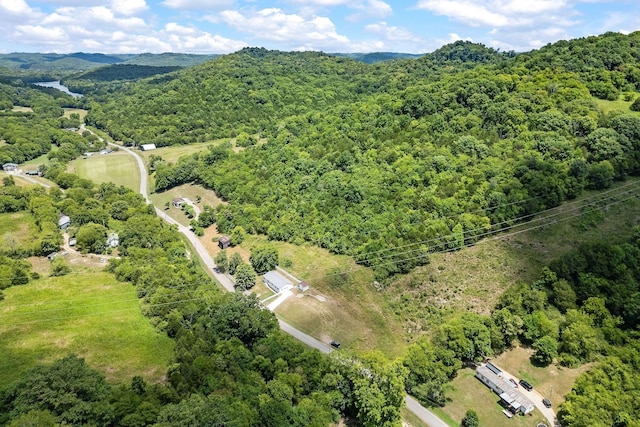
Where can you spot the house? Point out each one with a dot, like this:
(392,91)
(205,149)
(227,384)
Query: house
(277,282)
(10,167)
(148,147)
(106,151)
(224,242)
(113,240)
(178,202)
(72,241)
(303,286)
(64,222)
(511,396)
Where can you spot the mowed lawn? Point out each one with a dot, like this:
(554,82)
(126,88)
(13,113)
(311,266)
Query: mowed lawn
(117,167)
(89,314)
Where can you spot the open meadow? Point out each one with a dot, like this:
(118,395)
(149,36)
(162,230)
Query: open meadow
(18,230)
(117,167)
(87,313)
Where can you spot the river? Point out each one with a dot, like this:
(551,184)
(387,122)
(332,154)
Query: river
(60,87)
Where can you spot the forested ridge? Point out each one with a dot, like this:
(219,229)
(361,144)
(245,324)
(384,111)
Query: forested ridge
(362,158)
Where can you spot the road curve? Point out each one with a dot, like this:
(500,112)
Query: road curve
(413,405)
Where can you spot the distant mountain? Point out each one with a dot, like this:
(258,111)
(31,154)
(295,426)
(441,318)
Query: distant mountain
(123,72)
(373,57)
(60,65)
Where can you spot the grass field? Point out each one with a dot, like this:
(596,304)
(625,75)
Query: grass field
(172,153)
(619,105)
(69,111)
(117,167)
(17,230)
(190,191)
(89,314)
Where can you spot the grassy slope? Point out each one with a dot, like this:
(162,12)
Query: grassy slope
(117,167)
(17,229)
(87,313)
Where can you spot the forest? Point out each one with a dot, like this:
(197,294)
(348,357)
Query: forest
(385,162)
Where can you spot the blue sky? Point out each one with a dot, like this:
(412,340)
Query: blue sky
(223,26)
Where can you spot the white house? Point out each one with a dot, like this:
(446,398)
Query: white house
(148,147)
(10,167)
(113,240)
(64,222)
(277,282)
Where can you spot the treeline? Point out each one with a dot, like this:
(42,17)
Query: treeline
(122,72)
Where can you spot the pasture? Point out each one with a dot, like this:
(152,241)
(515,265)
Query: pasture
(87,313)
(117,167)
(17,230)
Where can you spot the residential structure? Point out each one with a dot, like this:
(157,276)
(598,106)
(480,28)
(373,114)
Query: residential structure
(148,147)
(64,222)
(113,240)
(277,282)
(178,202)
(509,394)
(10,167)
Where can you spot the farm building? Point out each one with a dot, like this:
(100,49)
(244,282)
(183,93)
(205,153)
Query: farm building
(277,282)
(10,167)
(512,397)
(148,147)
(64,222)
(178,202)
(303,286)
(33,172)
(224,242)
(113,240)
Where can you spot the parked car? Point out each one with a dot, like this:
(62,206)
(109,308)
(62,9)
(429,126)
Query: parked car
(546,402)
(335,344)
(513,382)
(526,385)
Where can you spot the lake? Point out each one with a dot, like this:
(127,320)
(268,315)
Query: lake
(61,87)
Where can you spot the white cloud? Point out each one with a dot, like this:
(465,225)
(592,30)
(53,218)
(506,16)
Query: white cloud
(293,30)
(128,7)
(197,4)
(472,12)
(370,8)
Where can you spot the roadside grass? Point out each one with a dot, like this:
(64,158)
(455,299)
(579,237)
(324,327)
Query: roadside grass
(117,167)
(618,105)
(345,307)
(24,182)
(87,313)
(467,392)
(553,382)
(17,230)
(41,160)
(409,419)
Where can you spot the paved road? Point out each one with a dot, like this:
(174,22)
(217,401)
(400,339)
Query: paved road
(413,405)
(423,413)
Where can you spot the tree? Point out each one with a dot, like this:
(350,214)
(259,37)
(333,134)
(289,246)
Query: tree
(636,105)
(470,419)
(245,277)
(222,261)
(264,259)
(238,235)
(92,237)
(546,349)
(234,261)
(59,267)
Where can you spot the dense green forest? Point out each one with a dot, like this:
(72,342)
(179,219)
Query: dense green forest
(432,153)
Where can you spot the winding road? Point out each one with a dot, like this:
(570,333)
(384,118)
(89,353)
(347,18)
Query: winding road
(413,405)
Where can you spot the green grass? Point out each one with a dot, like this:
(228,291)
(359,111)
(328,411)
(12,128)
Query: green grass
(117,167)
(87,313)
(467,392)
(410,419)
(69,111)
(172,153)
(17,230)
(190,191)
(618,105)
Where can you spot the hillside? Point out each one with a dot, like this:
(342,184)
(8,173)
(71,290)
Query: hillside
(425,154)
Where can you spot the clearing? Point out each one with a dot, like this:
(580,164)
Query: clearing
(117,167)
(18,230)
(87,313)
(172,153)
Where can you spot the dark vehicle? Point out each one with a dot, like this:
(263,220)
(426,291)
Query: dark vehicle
(513,382)
(546,402)
(526,385)
(335,344)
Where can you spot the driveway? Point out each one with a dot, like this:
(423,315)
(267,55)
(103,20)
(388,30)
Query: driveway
(536,398)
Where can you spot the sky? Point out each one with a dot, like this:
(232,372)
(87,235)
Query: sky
(224,26)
